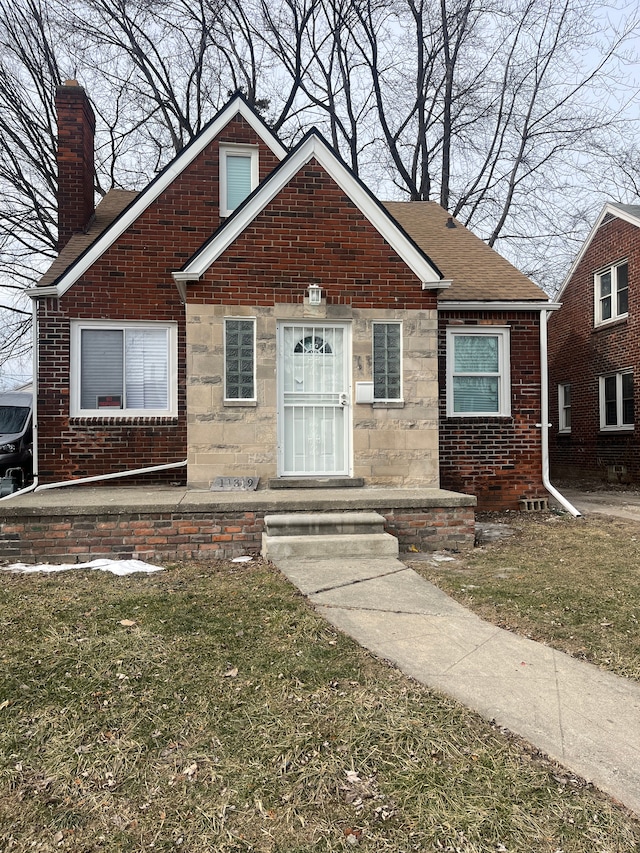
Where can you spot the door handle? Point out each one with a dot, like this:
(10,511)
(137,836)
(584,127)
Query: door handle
(343,399)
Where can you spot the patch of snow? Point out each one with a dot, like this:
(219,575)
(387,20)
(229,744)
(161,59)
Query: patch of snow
(116,567)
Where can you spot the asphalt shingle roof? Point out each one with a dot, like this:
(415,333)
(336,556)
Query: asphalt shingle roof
(477,271)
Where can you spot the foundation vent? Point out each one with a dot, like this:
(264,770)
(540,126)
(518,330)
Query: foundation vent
(534,505)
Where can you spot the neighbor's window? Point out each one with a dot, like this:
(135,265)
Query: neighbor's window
(616,401)
(239,359)
(564,407)
(123,369)
(478,371)
(238,175)
(387,361)
(612,293)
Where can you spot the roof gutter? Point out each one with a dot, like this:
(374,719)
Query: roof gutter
(544,414)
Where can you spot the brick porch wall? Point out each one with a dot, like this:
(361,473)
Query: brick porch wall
(156,535)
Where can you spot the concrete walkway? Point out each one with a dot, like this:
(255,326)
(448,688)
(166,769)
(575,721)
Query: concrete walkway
(583,717)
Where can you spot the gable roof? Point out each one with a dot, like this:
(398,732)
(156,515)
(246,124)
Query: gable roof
(86,252)
(107,210)
(477,271)
(628,212)
(314,146)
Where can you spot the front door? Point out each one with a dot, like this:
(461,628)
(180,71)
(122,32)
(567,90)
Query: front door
(314,424)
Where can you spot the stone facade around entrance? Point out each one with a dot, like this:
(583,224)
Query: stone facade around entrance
(394,444)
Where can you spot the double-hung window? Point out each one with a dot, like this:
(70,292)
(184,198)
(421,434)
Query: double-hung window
(478,371)
(123,369)
(564,407)
(238,175)
(611,293)
(387,362)
(616,401)
(239,359)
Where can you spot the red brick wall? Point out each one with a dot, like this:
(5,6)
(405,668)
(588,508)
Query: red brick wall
(131,281)
(163,535)
(311,232)
(498,459)
(580,353)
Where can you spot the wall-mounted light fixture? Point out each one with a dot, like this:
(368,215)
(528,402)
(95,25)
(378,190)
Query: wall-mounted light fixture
(314,292)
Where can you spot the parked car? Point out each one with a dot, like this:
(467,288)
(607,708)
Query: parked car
(16,440)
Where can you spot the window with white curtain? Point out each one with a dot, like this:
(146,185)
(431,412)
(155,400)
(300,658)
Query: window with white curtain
(238,175)
(478,371)
(123,369)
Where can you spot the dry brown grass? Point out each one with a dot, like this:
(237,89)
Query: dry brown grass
(229,717)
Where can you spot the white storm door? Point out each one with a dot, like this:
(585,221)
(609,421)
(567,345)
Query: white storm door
(314,382)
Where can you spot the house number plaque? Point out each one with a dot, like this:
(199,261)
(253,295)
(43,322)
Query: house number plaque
(235,484)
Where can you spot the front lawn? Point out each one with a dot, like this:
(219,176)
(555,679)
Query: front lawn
(571,583)
(207,708)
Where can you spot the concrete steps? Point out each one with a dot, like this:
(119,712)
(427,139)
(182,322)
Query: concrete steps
(327,535)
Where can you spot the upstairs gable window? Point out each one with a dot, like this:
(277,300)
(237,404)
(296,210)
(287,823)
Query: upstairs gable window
(612,293)
(238,175)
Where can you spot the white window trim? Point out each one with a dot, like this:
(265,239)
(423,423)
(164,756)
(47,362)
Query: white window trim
(232,149)
(504,364)
(562,408)
(619,426)
(115,414)
(399,399)
(597,295)
(238,401)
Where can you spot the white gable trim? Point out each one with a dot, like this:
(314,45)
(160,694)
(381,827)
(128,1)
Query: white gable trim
(313,146)
(237,106)
(612,209)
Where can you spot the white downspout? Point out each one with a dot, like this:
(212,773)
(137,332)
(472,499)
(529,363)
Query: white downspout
(544,414)
(100,477)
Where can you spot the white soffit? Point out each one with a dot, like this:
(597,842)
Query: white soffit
(237,106)
(313,146)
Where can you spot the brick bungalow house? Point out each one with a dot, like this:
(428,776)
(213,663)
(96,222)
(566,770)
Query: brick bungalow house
(594,355)
(257,314)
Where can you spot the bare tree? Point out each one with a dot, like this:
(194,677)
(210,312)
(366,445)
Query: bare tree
(501,110)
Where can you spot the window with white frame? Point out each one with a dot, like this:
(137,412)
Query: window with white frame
(387,362)
(239,359)
(564,407)
(616,401)
(238,175)
(123,369)
(611,293)
(478,371)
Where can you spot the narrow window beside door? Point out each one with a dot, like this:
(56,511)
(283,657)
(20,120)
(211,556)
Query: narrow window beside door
(387,362)
(239,359)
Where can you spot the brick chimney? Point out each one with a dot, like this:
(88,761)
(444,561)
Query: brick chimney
(76,127)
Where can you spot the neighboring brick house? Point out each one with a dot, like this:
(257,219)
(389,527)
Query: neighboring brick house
(594,354)
(257,312)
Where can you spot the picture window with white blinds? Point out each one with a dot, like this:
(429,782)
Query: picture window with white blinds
(123,370)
